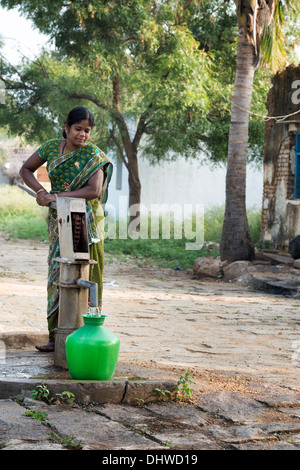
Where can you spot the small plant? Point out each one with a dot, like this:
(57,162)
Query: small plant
(169,445)
(65,398)
(141,431)
(39,415)
(183,387)
(41,393)
(163,393)
(140,401)
(70,442)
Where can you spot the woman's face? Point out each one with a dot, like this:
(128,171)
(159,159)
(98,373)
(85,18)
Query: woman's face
(79,133)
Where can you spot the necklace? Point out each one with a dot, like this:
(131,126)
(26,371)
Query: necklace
(64,146)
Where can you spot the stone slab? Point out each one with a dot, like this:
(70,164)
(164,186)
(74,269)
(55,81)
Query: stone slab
(231,406)
(20,430)
(96,432)
(243,434)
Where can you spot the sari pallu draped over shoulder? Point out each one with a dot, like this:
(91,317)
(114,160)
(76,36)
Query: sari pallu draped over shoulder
(68,172)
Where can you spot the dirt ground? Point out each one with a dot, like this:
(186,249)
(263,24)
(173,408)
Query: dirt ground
(228,336)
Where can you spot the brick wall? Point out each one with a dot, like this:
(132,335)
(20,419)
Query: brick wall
(278,191)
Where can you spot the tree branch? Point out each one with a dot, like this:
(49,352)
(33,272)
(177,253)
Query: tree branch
(129,38)
(86,96)
(119,148)
(17,72)
(120,121)
(142,127)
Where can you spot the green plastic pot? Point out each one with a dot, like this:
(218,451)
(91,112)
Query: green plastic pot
(92,350)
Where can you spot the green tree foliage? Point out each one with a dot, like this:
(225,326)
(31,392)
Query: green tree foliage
(158,74)
(214,25)
(135,68)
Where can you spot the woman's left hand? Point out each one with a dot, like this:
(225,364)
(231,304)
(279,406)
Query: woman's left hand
(44,198)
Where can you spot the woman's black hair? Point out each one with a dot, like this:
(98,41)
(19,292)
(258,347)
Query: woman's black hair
(78,114)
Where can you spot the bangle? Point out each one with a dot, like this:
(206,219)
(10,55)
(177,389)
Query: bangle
(43,189)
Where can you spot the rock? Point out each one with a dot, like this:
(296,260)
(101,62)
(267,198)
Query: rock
(232,406)
(297,263)
(294,247)
(16,429)
(244,434)
(262,255)
(236,270)
(279,259)
(207,266)
(95,432)
(261,262)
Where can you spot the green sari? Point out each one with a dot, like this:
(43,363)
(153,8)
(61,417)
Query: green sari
(68,172)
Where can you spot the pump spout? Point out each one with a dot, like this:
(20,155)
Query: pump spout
(93,286)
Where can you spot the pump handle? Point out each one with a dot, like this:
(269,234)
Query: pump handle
(32,193)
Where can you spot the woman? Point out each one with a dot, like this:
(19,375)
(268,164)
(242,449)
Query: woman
(76,169)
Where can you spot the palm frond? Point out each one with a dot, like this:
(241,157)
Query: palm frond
(272,41)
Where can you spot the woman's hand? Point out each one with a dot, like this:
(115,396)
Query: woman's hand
(44,198)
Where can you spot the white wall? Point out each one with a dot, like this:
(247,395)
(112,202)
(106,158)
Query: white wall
(182,182)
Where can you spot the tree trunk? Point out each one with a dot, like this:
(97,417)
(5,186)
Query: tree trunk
(236,242)
(134,188)
(130,149)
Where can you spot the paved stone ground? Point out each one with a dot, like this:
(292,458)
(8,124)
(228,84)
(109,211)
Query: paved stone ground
(241,347)
(217,421)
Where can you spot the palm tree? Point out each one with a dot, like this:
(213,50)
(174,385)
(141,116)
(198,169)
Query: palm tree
(260,40)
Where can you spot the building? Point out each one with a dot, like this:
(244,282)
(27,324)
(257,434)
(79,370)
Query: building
(281,168)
